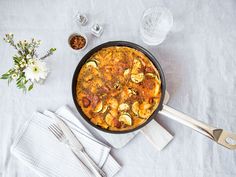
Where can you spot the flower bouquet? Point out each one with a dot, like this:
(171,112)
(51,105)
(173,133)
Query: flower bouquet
(28,68)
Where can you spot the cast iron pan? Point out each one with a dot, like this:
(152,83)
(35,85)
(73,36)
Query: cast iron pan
(118,43)
(216,134)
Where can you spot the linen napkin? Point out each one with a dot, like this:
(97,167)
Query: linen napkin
(39,149)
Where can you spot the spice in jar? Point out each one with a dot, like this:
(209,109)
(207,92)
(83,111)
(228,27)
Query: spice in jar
(77,42)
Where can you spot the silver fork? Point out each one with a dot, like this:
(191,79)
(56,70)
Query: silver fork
(58,133)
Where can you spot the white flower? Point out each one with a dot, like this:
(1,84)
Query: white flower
(30,50)
(36,71)
(28,56)
(23,63)
(31,61)
(14,76)
(16,67)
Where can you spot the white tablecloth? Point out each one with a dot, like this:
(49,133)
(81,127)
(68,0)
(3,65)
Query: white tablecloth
(198,58)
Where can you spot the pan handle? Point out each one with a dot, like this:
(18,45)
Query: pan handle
(188,121)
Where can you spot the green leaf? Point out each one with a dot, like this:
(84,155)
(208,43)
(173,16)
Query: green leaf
(4,77)
(31,87)
(52,50)
(6,74)
(18,81)
(20,53)
(16,59)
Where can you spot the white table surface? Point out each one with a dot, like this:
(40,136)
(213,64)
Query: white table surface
(198,58)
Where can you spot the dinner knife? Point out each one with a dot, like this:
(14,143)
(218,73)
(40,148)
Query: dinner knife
(78,148)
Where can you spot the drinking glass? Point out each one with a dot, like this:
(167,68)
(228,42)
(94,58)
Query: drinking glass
(155,24)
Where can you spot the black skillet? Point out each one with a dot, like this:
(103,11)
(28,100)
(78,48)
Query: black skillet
(221,136)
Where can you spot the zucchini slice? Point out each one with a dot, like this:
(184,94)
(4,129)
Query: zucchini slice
(145,113)
(92,63)
(135,107)
(123,107)
(156,77)
(98,107)
(145,105)
(151,75)
(109,118)
(157,88)
(126,73)
(126,119)
(137,78)
(104,109)
(136,66)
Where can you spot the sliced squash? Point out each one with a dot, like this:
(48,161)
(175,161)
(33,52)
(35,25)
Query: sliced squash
(92,63)
(145,113)
(157,83)
(156,103)
(137,65)
(126,119)
(104,109)
(109,119)
(145,105)
(156,77)
(157,89)
(151,75)
(135,107)
(98,107)
(137,78)
(123,107)
(126,73)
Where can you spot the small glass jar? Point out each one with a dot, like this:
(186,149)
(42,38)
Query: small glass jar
(81,19)
(97,30)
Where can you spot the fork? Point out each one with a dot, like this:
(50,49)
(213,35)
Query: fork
(59,134)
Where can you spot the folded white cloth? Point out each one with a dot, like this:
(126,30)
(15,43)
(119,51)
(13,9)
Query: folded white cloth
(39,149)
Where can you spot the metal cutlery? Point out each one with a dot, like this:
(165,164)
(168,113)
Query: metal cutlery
(66,136)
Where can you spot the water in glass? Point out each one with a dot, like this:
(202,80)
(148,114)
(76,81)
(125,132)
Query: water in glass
(155,24)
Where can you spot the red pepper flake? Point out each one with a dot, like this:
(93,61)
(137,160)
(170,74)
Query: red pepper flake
(77,42)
